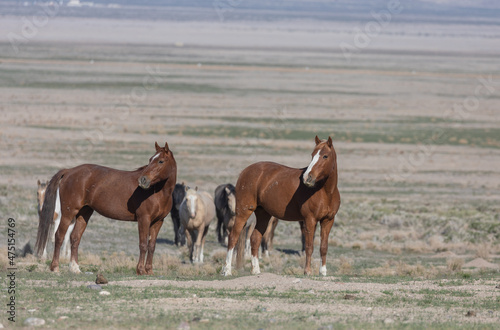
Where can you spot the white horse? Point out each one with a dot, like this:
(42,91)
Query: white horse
(66,251)
(196,212)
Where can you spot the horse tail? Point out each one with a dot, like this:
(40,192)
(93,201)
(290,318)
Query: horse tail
(268,237)
(46,220)
(240,247)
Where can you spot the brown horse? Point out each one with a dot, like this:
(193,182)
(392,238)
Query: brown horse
(308,194)
(143,195)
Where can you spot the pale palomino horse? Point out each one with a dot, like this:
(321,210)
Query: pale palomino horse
(66,251)
(196,212)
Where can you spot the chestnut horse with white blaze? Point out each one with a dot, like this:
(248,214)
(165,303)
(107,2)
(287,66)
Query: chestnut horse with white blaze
(307,194)
(143,195)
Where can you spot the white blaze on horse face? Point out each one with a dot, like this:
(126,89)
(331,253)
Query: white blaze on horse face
(154,157)
(311,165)
(192,205)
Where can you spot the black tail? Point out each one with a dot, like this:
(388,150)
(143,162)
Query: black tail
(46,220)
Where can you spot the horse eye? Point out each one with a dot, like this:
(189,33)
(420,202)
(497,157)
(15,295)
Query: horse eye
(160,162)
(325,156)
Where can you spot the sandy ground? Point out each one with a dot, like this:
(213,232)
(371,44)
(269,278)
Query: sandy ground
(360,306)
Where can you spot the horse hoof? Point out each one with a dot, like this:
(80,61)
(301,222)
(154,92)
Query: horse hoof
(55,269)
(226,272)
(74,268)
(322,271)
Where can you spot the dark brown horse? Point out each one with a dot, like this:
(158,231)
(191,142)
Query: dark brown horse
(307,194)
(143,195)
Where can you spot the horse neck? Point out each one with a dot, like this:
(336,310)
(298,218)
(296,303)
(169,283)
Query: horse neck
(331,182)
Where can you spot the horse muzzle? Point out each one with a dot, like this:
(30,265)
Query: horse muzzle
(144,182)
(310,181)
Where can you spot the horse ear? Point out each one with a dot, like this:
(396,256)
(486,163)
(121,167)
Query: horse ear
(166,146)
(329,142)
(39,183)
(157,147)
(186,188)
(317,140)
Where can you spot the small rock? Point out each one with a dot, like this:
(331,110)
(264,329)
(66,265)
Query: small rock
(349,297)
(369,309)
(94,287)
(33,322)
(88,273)
(298,280)
(100,279)
(1,326)
(310,291)
(388,321)
(204,321)
(31,310)
(62,318)
(470,314)
(104,293)
(183,326)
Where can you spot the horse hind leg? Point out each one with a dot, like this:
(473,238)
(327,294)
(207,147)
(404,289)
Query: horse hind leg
(78,227)
(234,237)
(267,238)
(262,223)
(59,237)
(66,246)
(203,240)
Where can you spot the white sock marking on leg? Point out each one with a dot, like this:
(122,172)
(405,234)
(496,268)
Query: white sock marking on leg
(255,265)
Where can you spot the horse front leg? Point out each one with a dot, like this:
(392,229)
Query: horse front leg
(309,228)
(143,225)
(326,226)
(197,244)
(154,229)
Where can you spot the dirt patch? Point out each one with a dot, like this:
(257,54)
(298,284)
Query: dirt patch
(480,263)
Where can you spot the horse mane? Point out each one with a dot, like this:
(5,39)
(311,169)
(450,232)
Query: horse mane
(140,168)
(221,199)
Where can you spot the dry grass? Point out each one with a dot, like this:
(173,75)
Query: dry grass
(276,262)
(483,251)
(357,245)
(417,247)
(4,261)
(345,266)
(436,242)
(454,264)
(403,269)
